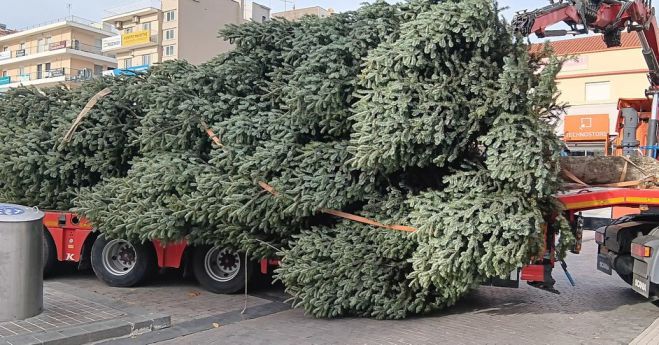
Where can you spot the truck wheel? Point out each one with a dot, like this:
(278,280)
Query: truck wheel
(220,270)
(120,263)
(624,267)
(49,253)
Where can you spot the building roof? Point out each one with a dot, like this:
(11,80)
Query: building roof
(5,32)
(303,11)
(590,44)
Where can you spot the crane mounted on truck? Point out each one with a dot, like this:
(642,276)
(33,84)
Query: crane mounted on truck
(631,247)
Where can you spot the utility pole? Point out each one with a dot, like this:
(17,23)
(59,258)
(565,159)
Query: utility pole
(286,2)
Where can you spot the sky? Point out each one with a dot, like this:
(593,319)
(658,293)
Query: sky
(24,13)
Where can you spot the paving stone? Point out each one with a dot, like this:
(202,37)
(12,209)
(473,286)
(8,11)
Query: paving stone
(23,339)
(78,318)
(169,294)
(600,310)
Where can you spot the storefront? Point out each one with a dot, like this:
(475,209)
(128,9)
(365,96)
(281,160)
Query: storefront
(587,135)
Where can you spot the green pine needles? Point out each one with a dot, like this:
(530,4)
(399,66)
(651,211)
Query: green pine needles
(429,114)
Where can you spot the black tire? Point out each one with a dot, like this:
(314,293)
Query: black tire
(125,264)
(624,263)
(49,253)
(225,271)
(628,278)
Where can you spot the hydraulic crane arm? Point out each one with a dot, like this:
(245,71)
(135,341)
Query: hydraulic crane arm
(609,17)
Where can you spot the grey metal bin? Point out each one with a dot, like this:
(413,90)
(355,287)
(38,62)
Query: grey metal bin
(21,262)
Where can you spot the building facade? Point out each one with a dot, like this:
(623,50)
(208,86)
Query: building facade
(157,31)
(256,12)
(64,51)
(296,14)
(591,83)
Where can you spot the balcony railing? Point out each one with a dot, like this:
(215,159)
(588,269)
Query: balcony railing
(69,74)
(73,19)
(54,46)
(135,6)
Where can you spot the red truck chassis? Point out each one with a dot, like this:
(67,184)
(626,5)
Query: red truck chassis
(74,237)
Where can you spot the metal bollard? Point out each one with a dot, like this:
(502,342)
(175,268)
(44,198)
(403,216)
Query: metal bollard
(21,262)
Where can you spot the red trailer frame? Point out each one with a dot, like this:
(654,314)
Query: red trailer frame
(73,236)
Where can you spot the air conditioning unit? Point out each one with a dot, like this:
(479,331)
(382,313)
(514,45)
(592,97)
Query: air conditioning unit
(136,19)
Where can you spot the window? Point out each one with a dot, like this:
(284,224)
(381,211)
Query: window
(169,50)
(170,16)
(598,92)
(170,34)
(129,30)
(21,70)
(47,66)
(146,26)
(146,59)
(128,62)
(4,73)
(41,46)
(263,19)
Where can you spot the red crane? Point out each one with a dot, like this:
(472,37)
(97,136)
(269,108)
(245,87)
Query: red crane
(610,18)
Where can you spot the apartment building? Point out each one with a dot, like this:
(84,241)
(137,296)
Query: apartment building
(4,31)
(66,50)
(157,31)
(296,14)
(591,83)
(256,12)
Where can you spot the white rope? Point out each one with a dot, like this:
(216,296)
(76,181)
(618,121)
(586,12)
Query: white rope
(245,296)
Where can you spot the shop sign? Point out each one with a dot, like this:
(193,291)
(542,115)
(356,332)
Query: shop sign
(20,53)
(586,127)
(111,42)
(135,38)
(57,45)
(140,68)
(5,55)
(578,63)
(58,72)
(5,80)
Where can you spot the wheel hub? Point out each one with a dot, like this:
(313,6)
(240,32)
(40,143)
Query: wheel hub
(119,257)
(222,264)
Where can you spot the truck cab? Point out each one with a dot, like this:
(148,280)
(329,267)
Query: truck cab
(628,247)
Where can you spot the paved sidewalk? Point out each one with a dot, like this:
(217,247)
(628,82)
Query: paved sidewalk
(649,337)
(170,294)
(74,316)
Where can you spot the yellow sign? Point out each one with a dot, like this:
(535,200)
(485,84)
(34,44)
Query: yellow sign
(135,38)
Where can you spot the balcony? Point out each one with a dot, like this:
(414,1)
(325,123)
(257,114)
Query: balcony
(48,78)
(55,48)
(69,19)
(132,40)
(128,12)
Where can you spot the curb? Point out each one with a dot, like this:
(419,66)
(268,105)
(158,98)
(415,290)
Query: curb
(202,324)
(649,336)
(94,332)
